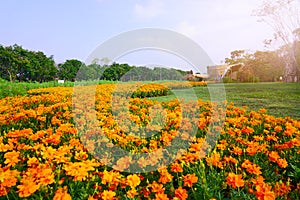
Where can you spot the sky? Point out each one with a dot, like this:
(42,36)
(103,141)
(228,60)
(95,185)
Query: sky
(73,29)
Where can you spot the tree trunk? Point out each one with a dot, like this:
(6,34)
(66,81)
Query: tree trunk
(295,63)
(10,76)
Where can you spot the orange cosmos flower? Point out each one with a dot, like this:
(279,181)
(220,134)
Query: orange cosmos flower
(254,169)
(278,129)
(3,191)
(235,180)
(181,193)
(8,178)
(289,130)
(46,175)
(110,177)
(257,181)
(262,110)
(11,158)
(282,163)
(251,150)
(229,159)
(263,192)
(91,198)
(176,167)
(37,135)
(133,180)
(247,130)
(190,179)
(80,170)
(131,193)
(54,121)
(215,160)
(251,168)
(20,133)
(165,176)
(161,196)
(274,156)
(237,151)
(145,192)
(108,195)
(281,189)
(62,194)
(81,155)
(27,187)
(32,161)
(156,187)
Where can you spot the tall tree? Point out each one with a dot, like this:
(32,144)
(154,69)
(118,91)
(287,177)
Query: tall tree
(237,56)
(17,63)
(283,16)
(41,68)
(69,69)
(266,65)
(12,62)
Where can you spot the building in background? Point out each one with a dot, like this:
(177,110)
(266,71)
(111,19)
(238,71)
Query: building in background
(218,72)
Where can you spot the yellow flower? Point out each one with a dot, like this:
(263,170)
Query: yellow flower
(133,180)
(27,187)
(108,195)
(62,194)
(12,158)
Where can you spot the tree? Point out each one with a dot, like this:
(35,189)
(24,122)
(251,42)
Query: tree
(237,56)
(86,73)
(41,68)
(105,61)
(266,65)
(11,62)
(69,69)
(17,63)
(262,65)
(116,72)
(283,16)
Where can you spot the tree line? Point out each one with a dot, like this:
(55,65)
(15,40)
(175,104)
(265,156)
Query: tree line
(268,66)
(19,64)
(264,66)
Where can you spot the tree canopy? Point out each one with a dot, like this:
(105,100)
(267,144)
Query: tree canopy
(20,64)
(264,66)
(283,16)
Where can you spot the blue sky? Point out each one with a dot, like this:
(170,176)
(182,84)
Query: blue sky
(71,29)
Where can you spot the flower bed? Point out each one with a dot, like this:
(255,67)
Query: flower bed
(47,150)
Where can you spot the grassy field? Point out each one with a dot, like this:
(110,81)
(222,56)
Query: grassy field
(20,88)
(280,99)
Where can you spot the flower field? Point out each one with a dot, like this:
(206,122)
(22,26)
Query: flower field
(51,147)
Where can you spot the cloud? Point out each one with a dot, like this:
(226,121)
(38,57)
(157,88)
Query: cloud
(152,9)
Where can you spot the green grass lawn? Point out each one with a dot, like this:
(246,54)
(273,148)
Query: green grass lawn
(280,99)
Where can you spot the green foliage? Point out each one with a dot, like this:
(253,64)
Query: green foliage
(69,69)
(226,80)
(115,71)
(261,66)
(236,56)
(20,64)
(20,88)
(155,74)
